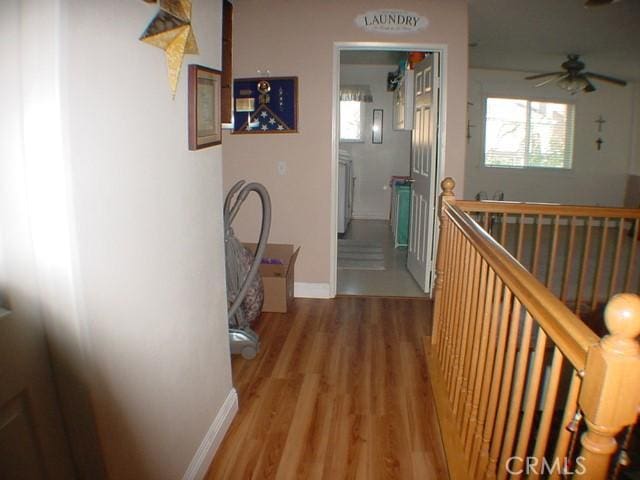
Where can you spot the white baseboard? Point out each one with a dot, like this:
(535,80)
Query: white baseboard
(311,290)
(212,440)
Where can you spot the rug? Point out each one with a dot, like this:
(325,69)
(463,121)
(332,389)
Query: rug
(360,255)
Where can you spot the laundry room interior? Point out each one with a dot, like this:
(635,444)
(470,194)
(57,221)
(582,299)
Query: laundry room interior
(376,117)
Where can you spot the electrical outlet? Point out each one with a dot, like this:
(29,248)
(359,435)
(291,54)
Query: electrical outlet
(282,167)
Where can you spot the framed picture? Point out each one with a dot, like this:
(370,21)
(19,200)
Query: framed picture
(204,107)
(376,126)
(265,105)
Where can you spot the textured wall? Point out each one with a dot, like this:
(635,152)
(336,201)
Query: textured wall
(126,229)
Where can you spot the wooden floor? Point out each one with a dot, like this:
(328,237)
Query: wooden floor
(339,390)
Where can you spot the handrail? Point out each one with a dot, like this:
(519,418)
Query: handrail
(571,336)
(501,341)
(490,206)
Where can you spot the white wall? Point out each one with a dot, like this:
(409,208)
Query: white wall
(634,163)
(597,177)
(375,163)
(127,231)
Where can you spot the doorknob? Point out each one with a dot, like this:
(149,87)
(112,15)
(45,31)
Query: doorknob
(410,180)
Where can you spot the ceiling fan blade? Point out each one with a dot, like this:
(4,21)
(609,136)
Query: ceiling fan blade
(597,3)
(589,86)
(605,78)
(542,75)
(554,79)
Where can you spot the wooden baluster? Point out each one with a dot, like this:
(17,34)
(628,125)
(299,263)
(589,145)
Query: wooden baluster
(461,265)
(616,258)
(632,257)
(505,389)
(447,287)
(454,364)
(569,261)
(457,309)
(564,437)
(514,410)
(463,329)
(455,302)
(469,333)
(452,301)
(584,265)
(491,352)
(494,395)
(450,285)
(439,326)
(596,280)
(503,230)
(536,249)
(520,238)
(531,396)
(463,284)
(610,393)
(548,409)
(480,320)
(552,253)
(447,196)
(487,293)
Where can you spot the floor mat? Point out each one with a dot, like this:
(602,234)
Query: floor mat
(360,255)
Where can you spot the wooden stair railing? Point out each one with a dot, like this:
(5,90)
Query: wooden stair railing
(514,370)
(583,254)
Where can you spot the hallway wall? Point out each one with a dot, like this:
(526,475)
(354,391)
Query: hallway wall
(297,38)
(120,245)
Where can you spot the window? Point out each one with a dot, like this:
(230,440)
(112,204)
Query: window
(521,133)
(351,121)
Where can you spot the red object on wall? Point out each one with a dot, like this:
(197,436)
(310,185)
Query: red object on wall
(415,57)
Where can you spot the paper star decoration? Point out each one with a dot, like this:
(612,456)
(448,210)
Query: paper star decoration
(171,31)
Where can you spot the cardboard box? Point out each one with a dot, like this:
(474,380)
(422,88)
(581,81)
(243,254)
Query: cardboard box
(277,272)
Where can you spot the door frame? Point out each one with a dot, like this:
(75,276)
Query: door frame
(335,139)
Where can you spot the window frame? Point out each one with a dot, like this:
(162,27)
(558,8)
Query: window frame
(529,99)
(363,126)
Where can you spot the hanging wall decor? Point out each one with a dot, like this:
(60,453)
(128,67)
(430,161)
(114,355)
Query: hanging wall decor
(600,121)
(204,107)
(171,31)
(391,21)
(265,105)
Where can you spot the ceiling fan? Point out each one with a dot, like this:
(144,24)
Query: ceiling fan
(573,78)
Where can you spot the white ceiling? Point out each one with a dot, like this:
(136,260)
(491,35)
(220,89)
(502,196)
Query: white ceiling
(536,35)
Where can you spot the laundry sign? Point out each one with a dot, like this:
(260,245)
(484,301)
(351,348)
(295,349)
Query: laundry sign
(391,21)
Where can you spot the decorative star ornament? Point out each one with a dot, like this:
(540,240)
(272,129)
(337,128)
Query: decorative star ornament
(171,31)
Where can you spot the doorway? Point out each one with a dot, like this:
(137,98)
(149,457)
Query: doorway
(381,219)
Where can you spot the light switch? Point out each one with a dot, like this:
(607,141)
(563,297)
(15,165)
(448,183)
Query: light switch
(282,167)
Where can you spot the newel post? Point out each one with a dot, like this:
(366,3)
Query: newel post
(447,196)
(610,394)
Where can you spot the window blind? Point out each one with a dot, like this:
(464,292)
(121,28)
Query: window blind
(521,133)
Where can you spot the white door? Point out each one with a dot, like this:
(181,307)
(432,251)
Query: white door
(33,445)
(423,168)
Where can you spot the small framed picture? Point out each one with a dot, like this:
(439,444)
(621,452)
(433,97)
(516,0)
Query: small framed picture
(205,126)
(376,126)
